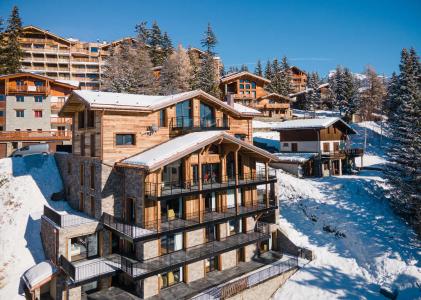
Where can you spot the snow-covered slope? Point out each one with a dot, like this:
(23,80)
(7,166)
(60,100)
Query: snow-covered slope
(359,243)
(25,185)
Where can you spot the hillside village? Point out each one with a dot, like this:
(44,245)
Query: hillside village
(133,169)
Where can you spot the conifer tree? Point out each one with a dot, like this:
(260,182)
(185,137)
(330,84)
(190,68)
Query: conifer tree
(276,84)
(373,94)
(244,68)
(392,98)
(208,77)
(313,94)
(2,47)
(176,73)
(258,70)
(156,51)
(285,78)
(11,52)
(128,70)
(143,34)
(233,69)
(337,85)
(268,70)
(167,46)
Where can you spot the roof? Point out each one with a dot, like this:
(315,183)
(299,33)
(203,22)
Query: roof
(294,157)
(38,274)
(276,95)
(236,75)
(42,77)
(48,33)
(296,68)
(147,103)
(181,146)
(246,110)
(316,123)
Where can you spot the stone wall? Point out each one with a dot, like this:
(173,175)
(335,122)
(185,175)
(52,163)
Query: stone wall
(49,239)
(195,271)
(133,187)
(146,250)
(148,287)
(194,237)
(228,260)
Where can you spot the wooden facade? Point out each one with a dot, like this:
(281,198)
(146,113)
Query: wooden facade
(298,79)
(249,89)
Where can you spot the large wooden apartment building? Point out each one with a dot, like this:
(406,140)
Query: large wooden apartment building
(248,89)
(29,106)
(316,147)
(167,191)
(298,79)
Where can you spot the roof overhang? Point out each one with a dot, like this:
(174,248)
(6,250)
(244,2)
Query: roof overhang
(341,123)
(29,27)
(275,95)
(37,76)
(230,77)
(221,138)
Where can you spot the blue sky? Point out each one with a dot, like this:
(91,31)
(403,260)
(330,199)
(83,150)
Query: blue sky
(314,35)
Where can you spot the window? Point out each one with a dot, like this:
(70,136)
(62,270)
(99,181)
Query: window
(39,99)
(240,136)
(92,177)
(285,144)
(92,202)
(207,116)
(1,113)
(39,83)
(211,264)
(183,113)
(81,201)
(94,49)
(20,98)
(125,139)
(81,119)
(2,98)
(170,278)
(82,144)
(1,128)
(92,145)
(129,211)
(253,85)
(91,118)
(162,118)
(234,226)
(81,174)
(20,113)
(241,86)
(83,247)
(38,113)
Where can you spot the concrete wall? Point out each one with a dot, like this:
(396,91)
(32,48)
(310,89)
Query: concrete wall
(292,168)
(28,121)
(195,271)
(307,146)
(228,260)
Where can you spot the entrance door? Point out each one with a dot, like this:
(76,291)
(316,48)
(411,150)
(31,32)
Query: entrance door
(294,147)
(130,214)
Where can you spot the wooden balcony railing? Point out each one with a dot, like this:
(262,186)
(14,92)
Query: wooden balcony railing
(57,105)
(35,135)
(58,120)
(28,89)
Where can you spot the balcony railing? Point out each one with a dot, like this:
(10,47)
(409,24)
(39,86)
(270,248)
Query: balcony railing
(153,266)
(57,105)
(58,120)
(65,219)
(35,135)
(344,152)
(27,88)
(183,188)
(149,230)
(198,123)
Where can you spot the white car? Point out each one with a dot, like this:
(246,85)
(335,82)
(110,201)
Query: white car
(32,149)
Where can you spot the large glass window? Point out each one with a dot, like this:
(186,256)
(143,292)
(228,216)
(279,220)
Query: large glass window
(210,173)
(171,243)
(207,115)
(20,98)
(162,118)
(171,209)
(170,278)
(83,247)
(211,264)
(20,113)
(125,139)
(234,226)
(183,112)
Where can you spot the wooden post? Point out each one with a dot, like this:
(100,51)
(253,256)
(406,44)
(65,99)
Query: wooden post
(267,188)
(236,180)
(200,185)
(158,203)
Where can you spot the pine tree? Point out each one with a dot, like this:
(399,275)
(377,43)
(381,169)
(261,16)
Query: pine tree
(403,171)
(244,68)
(276,84)
(11,52)
(258,70)
(373,95)
(337,85)
(143,34)
(208,77)
(285,78)
(209,41)
(268,70)
(2,47)
(233,69)
(128,70)
(167,46)
(313,94)
(155,41)
(176,73)
(392,98)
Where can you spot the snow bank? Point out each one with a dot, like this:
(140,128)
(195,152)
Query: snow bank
(25,185)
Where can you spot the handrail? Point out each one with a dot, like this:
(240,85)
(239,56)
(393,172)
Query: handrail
(169,188)
(199,122)
(35,135)
(151,228)
(66,220)
(136,269)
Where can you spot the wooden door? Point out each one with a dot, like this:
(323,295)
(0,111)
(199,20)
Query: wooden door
(3,150)
(294,147)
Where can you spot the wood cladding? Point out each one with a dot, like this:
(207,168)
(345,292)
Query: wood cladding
(332,133)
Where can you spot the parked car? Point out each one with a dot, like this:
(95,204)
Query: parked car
(32,149)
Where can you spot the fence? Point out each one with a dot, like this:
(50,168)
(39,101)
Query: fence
(231,288)
(65,220)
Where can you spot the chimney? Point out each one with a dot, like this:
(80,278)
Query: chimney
(229,98)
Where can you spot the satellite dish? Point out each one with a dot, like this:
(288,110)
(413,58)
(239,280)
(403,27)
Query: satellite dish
(154,128)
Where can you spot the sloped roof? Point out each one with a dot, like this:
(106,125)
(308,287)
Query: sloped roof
(38,274)
(236,75)
(316,123)
(42,77)
(181,146)
(246,110)
(276,95)
(294,157)
(147,103)
(47,32)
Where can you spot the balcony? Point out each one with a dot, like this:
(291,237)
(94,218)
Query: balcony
(28,89)
(58,120)
(191,124)
(86,270)
(351,152)
(34,135)
(150,230)
(57,105)
(64,219)
(276,106)
(165,190)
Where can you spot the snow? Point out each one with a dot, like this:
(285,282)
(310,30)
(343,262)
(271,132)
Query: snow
(294,157)
(167,150)
(39,273)
(359,243)
(26,185)
(308,123)
(318,113)
(246,110)
(75,83)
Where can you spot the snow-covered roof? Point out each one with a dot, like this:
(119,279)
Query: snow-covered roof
(179,147)
(246,110)
(38,274)
(316,123)
(235,75)
(295,157)
(71,82)
(276,95)
(124,101)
